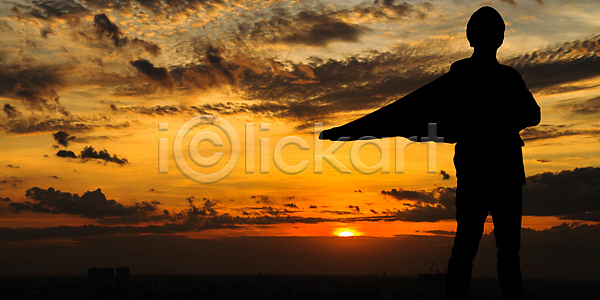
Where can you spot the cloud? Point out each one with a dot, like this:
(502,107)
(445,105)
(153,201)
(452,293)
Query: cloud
(46,31)
(11,111)
(211,70)
(89,153)
(569,194)
(66,153)
(386,10)
(59,9)
(441,232)
(262,199)
(35,85)
(545,131)
(92,204)
(12,166)
(63,138)
(291,205)
(511,2)
(308,28)
(560,64)
(445,175)
(443,196)
(104,27)
(207,207)
(588,107)
(36,125)
(158,8)
(354,208)
(158,75)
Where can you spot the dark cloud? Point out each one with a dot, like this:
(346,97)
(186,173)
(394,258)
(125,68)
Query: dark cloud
(90,153)
(46,31)
(570,194)
(36,125)
(445,175)
(262,199)
(92,204)
(354,208)
(439,195)
(545,131)
(388,10)
(308,28)
(149,47)
(105,28)
(34,85)
(270,211)
(337,212)
(424,205)
(11,111)
(4,26)
(158,8)
(206,209)
(560,64)
(12,166)
(441,232)
(50,10)
(211,70)
(63,138)
(588,107)
(159,110)
(134,90)
(159,75)
(66,153)
(511,2)
(291,205)
(321,89)
(30,206)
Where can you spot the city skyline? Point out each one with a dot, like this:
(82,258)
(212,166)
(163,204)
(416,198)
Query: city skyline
(84,86)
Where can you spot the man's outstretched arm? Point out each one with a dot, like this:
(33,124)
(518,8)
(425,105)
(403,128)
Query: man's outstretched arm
(406,117)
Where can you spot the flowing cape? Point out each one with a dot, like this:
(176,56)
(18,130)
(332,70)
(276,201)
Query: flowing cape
(407,117)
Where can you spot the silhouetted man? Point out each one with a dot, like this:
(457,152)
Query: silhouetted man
(495,105)
(481,106)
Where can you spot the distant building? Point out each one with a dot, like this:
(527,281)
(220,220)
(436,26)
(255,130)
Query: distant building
(101,278)
(122,279)
(104,279)
(261,281)
(431,286)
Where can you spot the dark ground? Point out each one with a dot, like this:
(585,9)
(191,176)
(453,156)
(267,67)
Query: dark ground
(276,287)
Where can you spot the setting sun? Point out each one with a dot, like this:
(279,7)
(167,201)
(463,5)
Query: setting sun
(345,233)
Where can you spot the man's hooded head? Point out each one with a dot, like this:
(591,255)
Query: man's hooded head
(486,28)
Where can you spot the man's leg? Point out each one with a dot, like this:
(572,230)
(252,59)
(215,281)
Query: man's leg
(507,213)
(471,213)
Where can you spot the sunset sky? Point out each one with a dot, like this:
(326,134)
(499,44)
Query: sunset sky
(84,85)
